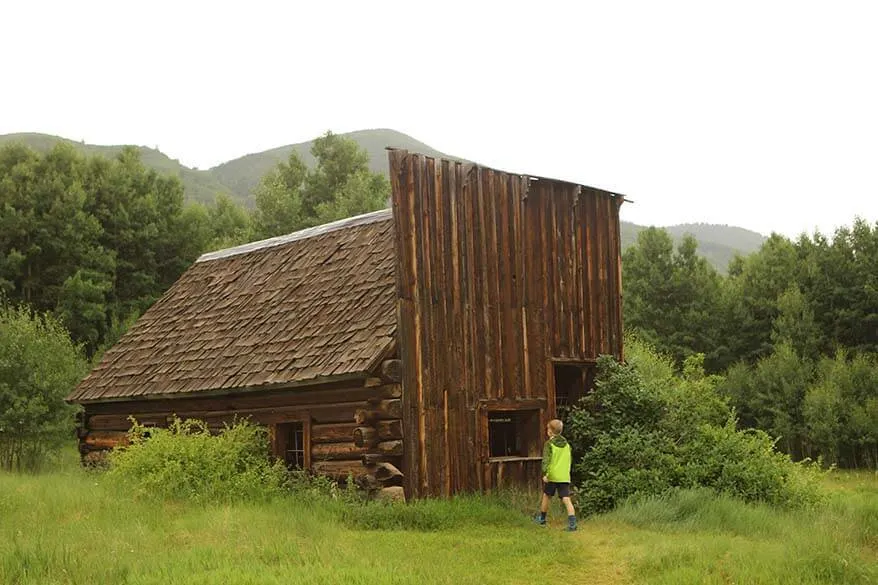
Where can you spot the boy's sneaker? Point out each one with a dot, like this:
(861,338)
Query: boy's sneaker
(570,529)
(540,521)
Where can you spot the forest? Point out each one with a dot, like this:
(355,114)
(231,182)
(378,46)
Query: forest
(789,334)
(791,331)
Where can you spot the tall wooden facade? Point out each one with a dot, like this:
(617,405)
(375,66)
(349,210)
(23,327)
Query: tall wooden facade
(428,346)
(500,279)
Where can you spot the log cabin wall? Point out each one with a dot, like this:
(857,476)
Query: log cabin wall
(326,412)
(498,276)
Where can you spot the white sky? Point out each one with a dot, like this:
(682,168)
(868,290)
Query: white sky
(759,114)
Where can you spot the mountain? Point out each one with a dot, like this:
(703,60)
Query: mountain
(717,243)
(238,177)
(200,185)
(242,174)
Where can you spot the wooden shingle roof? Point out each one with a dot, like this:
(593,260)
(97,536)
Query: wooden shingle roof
(316,304)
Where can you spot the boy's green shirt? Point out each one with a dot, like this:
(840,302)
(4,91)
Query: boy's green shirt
(557,458)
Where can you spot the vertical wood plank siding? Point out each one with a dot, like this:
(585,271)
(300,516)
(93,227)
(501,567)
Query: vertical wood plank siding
(497,274)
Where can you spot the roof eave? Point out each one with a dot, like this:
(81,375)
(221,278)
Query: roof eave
(297,385)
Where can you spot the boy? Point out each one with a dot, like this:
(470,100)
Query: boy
(557,458)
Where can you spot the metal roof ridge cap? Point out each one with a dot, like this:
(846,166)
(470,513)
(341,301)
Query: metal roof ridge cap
(310,232)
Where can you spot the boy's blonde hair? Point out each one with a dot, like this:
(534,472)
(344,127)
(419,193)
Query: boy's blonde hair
(555,426)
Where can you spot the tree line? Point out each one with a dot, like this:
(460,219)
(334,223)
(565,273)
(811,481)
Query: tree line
(793,328)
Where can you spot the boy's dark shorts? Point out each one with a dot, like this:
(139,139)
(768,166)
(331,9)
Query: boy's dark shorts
(551,486)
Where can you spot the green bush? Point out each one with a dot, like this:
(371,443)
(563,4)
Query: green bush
(186,461)
(39,366)
(622,464)
(746,465)
(645,430)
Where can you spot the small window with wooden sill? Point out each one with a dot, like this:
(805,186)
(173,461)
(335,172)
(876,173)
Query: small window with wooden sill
(513,434)
(291,444)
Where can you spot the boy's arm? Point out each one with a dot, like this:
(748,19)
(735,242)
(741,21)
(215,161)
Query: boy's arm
(547,457)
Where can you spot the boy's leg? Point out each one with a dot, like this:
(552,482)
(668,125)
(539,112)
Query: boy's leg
(548,491)
(544,507)
(571,513)
(568,503)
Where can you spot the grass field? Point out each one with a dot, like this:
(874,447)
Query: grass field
(70,527)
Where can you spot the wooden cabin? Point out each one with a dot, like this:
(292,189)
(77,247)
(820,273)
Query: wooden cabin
(426,345)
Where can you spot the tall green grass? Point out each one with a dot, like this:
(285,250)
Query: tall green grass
(76,527)
(696,535)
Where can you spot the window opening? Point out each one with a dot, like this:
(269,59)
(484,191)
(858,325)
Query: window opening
(572,382)
(513,433)
(294,440)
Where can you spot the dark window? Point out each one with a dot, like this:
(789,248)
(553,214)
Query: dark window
(572,382)
(514,433)
(293,441)
(147,433)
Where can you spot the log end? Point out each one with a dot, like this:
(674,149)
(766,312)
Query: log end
(391,370)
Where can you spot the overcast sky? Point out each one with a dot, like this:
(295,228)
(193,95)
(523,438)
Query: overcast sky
(759,114)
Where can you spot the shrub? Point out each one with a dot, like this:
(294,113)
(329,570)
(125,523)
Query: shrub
(620,465)
(746,465)
(39,366)
(186,461)
(639,434)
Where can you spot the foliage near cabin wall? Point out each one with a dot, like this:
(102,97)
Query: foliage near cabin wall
(186,461)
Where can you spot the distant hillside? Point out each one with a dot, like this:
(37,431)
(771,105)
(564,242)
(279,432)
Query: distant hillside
(724,235)
(238,177)
(242,174)
(200,185)
(717,243)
